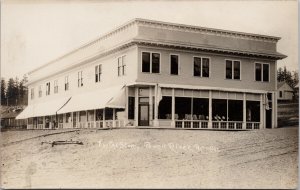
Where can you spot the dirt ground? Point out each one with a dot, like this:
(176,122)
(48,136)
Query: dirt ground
(151,158)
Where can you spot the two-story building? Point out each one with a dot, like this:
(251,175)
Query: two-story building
(159,74)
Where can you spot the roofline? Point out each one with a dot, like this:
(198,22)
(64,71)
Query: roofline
(210,29)
(136,20)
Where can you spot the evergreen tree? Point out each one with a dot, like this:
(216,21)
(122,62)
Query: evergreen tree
(3,89)
(23,91)
(11,92)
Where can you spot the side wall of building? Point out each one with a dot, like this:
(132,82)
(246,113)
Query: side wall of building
(109,77)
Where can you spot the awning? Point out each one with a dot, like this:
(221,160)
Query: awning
(49,107)
(113,97)
(43,109)
(26,113)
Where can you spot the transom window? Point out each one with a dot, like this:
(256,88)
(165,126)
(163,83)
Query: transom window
(174,64)
(233,69)
(80,79)
(150,62)
(201,66)
(66,83)
(55,86)
(47,88)
(121,65)
(98,72)
(262,72)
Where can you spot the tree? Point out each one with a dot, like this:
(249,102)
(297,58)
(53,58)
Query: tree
(287,76)
(3,91)
(11,92)
(23,91)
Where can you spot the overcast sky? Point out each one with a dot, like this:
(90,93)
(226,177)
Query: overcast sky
(36,32)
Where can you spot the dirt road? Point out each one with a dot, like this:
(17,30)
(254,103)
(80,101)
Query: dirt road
(151,158)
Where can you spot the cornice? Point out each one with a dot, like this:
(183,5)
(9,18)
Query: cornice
(204,30)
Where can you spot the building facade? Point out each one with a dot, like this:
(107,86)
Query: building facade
(156,74)
(284,91)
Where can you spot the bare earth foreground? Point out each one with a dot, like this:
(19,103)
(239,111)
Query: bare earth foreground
(156,158)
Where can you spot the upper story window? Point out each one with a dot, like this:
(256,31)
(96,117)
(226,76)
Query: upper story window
(40,91)
(80,79)
(121,66)
(201,66)
(47,88)
(174,64)
(262,72)
(98,72)
(55,86)
(280,94)
(150,62)
(32,93)
(233,69)
(66,83)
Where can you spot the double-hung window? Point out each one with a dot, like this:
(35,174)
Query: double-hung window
(262,72)
(40,91)
(98,72)
(233,69)
(174,64)
(66,83)
(201,66)
(32,93)
(55,86)
(121,66)
(80,79)
(47,88)
(150,62)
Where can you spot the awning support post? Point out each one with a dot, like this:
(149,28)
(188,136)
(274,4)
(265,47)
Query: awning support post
(210,110)
(114,118)
(173,108)
(104,124)
(244,111)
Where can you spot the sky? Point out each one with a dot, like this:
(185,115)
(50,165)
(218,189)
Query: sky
(34,32)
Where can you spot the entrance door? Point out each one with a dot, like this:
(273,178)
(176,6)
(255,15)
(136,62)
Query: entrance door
(144,115)
(269,119)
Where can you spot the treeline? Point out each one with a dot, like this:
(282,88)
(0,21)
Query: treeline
(290,77)
(14,92)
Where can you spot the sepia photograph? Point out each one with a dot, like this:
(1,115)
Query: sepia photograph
(133,94)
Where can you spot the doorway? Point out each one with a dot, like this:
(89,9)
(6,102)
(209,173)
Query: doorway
(269,119)
(143,115)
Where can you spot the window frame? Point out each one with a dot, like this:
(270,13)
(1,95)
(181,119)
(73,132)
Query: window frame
(31,93)
(121,65)
(280,94)
(201,66)
(48,88)
(98,73)
(80,79)
(170,62)
(55,86)
(262,71)
(232,69)
(67,83)
(151,52)
(40,91)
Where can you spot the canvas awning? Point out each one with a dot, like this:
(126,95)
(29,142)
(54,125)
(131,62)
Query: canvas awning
(26,113)
(50,107)
(113,97)
(43,109)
